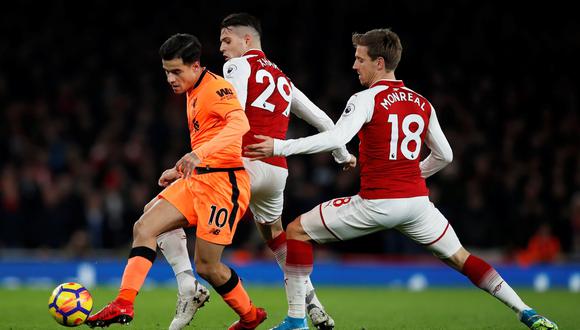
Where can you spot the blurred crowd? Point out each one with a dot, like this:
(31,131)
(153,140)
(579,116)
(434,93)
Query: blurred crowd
(88,123)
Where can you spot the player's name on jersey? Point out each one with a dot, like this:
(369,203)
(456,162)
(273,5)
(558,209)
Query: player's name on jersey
(402,97)
(266,62)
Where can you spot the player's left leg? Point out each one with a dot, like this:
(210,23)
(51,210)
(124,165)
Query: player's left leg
(299,265)
(162,217)
(222,197)
(267,201)
(337,219)
(227,284)
(275,238)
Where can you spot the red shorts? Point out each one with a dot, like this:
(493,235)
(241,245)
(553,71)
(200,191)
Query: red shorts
(214,202)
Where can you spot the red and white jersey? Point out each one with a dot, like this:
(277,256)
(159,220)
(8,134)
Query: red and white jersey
(268,96)
(393,122)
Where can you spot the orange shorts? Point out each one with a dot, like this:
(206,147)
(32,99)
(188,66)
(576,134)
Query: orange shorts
(213,202)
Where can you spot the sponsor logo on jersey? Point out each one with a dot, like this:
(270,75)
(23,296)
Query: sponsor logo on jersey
(349,109)
(224,92)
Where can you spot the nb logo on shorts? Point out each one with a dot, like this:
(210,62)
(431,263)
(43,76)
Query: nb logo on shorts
(216,231)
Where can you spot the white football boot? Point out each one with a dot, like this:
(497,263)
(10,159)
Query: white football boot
(187,306)
(320,319)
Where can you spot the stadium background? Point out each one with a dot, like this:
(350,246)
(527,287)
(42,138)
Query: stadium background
(88,123)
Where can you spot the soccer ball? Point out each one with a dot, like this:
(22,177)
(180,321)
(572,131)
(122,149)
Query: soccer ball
(70,304)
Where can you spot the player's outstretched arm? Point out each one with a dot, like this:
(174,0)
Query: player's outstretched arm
(305,109)
(350,164)
(441,154)
(265,149)
(260,150)
(346,128)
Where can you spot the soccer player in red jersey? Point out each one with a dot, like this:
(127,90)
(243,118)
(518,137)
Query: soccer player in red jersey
(268,97)
(393,122)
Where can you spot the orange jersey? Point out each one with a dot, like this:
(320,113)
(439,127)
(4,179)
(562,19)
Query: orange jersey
(210,103)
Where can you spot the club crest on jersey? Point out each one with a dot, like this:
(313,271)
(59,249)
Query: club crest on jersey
(231,68)
(348,110)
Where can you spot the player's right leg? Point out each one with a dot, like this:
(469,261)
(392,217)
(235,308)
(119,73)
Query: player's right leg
(484,276)
(430,228)
(227,284)
(162,217)
(191,295)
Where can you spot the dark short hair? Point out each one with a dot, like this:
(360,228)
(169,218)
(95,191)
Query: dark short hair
(381,43)
(181,45)
(242,19)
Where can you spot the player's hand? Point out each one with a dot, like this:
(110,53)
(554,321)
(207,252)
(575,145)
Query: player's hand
(168,177)
(186,165)
(350,164)
(260,150)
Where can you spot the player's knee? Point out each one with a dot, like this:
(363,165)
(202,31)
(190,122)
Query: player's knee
(457,260)
(295,230)
(270,230)
(141,230)
(137,229)
(206,270)
(276,227)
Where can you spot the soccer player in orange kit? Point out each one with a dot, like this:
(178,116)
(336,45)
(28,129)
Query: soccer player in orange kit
(207,188)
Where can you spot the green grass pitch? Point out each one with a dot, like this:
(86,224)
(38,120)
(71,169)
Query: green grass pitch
(352,308)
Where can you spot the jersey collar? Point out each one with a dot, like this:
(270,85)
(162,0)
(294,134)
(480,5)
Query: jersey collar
(198,82)
(200,78)
(254,52)
(388,82)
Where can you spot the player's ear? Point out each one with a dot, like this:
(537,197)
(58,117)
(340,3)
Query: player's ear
(380,63)
(195,65)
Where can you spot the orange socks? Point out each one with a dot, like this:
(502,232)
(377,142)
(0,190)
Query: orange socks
(237,298)
(140,261)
